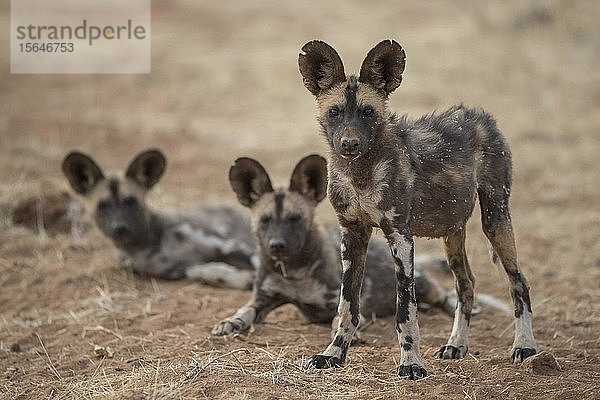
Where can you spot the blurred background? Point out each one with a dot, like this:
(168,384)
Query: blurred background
(225,83)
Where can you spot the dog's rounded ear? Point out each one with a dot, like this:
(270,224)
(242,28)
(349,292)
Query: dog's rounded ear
(383,66)
(147,168)
(310,178)
(82,172)
(320,66)
(249,180)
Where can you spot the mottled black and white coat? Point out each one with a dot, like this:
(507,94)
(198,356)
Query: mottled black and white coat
(212,244)
(410,178)
(299,259)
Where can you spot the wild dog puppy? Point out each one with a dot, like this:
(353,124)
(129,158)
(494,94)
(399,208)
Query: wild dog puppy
(299,258)
(213,244)
(410,177)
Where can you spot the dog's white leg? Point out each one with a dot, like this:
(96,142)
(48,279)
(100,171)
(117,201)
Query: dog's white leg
(411,364)
(355,239)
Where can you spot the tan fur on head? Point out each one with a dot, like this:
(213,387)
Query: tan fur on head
(366,95)
(334,96)
(295,203)
(127,188)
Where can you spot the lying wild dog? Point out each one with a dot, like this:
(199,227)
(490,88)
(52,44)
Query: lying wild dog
(213,244)
(299,260)
(410,177)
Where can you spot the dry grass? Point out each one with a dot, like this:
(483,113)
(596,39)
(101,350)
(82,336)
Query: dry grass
(224,83)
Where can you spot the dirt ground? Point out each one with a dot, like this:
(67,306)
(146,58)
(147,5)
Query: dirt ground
(225,83)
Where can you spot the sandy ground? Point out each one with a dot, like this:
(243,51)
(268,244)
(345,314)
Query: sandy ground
(225,83)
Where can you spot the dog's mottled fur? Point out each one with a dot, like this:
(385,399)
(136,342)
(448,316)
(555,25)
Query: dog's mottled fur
(300,259)
(212,244)
(410,178)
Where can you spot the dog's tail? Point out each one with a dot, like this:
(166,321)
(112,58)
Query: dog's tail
(426,262)
(482,302)
(487,300)
(433,263)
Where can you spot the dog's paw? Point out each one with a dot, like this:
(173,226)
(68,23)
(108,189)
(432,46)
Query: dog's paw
(449,352)
(521,353)
(320,361)
(412,372)
(228,326)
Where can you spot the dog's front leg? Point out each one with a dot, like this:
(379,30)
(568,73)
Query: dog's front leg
(355,239)
(357,338)
(254,311)
(402,248)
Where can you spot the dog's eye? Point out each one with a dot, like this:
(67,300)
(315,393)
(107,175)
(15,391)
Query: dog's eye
(130,201)
(368,111)
(265,219)
(103,205)
(334,112)
(294,217)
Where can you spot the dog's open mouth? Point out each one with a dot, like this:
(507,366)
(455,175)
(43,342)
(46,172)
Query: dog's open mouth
(350,156)
(279,257)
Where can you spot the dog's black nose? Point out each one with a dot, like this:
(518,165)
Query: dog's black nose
(120,231)
(350,145)
(277,246)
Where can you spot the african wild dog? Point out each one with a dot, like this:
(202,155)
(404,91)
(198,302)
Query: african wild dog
(299,261)
(410,177)
(213,244)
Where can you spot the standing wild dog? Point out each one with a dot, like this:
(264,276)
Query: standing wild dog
(410,177)
(213,244)
(299,261)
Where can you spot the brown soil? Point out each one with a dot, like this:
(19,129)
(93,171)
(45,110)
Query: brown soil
(224,83)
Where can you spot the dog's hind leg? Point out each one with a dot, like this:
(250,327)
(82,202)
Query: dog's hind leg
(458,343)
(494,176)
(497,226)
(220,274)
